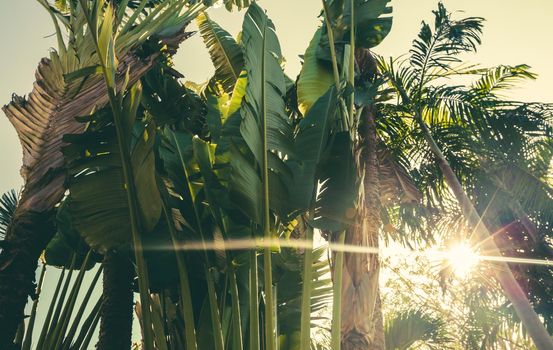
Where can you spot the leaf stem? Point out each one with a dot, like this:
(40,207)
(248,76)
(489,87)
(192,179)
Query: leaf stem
(351,75)
(336,330)
(270,338)
(331,43)
(305,335)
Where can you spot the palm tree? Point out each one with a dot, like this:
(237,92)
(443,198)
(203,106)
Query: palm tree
(433,57)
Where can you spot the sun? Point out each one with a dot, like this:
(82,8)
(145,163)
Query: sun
(462,259)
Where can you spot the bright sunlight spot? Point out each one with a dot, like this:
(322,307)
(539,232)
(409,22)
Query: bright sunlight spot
(462,259)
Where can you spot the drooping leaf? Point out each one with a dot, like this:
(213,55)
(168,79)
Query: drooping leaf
(315,76)
(503,77)
(225,52)
(68,243)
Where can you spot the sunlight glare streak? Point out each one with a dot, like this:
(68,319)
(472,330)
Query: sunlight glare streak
(460,256)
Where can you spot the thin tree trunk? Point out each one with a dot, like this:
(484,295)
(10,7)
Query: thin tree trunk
(513,291)
(361,313)
(27,236)
(117,309)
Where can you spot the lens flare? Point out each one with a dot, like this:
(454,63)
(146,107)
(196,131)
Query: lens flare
(462,259)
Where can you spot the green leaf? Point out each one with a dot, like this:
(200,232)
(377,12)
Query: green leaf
(338,192)
(370,26)
(245,186)
(225,52)
(98,202)
(237,96)
(371,33)
(266,87)
(312,142)
(67,243)
(82,73)
(106,45)
(315,76)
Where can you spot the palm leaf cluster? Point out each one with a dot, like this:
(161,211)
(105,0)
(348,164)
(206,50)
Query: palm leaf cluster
(499,149)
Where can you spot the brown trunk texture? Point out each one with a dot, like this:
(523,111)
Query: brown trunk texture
(361,309)
(118,301)
(27,236)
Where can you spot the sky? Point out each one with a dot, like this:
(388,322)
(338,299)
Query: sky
(515,32)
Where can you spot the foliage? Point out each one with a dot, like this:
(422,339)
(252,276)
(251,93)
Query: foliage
(177,174)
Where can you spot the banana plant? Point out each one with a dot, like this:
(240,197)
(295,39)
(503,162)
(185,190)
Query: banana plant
(220,170)
(68,85)
(351,197)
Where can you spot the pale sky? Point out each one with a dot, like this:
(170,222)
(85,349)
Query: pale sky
(515,32)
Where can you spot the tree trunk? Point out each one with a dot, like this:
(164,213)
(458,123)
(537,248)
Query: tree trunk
(513,291)
(118,301)
(27,236)
(361,313)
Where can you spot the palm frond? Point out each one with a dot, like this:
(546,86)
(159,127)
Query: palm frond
(439,47)
(8,203)
(456,104)
(500,78)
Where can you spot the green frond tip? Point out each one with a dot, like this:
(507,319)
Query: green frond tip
(502,78)
(8,203)
(438,47)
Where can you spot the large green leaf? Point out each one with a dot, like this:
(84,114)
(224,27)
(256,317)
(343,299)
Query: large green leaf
(266,87)
(371,24)
(262,117)
(338,193)
(225,52)
(312,142)
(67,243)
(315,76)
(98,200)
